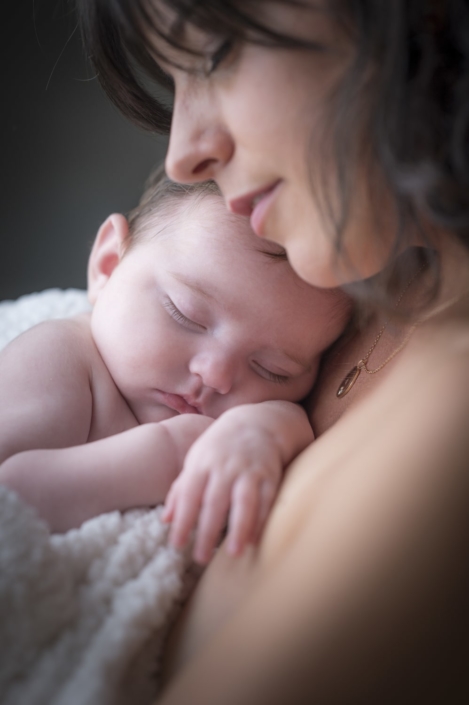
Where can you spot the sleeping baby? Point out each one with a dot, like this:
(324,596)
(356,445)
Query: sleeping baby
(182,384)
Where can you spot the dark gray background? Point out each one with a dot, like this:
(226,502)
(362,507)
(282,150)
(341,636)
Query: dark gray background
(68,158)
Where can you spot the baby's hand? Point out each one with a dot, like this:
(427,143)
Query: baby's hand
(233,469)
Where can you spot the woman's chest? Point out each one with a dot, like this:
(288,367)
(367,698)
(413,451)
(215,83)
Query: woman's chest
(324,406)
(228,580)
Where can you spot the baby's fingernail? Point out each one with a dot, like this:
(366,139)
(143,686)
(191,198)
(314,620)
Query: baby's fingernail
(201,556)
(233,548)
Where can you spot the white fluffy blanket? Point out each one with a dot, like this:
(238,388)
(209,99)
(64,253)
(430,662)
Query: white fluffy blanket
(82,615)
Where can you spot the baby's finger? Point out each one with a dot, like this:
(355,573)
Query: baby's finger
(167,514)
(187,509)
(169,504)
(212,519)
(266,499)
(243,514)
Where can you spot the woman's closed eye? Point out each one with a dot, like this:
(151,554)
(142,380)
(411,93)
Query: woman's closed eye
(178,316)
(213,60)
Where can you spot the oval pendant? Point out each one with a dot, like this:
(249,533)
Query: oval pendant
(348,381)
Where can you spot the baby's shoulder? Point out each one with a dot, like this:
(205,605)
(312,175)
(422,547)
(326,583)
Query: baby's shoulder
(53,346)
(63,333)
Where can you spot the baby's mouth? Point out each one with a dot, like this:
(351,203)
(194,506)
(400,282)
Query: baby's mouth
(178,403)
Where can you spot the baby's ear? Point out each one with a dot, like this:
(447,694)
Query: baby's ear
(106,253)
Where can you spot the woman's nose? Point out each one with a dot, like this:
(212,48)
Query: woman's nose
(215,369)
(199,144)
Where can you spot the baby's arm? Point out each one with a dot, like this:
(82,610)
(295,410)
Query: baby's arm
(134,468)
(45,418)
(236,468)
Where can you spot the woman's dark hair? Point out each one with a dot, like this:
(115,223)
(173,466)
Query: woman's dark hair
(403,102)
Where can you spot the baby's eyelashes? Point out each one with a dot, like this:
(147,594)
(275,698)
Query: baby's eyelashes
(269,375)
(178,316)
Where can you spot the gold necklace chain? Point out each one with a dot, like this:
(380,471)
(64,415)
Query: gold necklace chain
(352,376)
(363,362)
(354,373)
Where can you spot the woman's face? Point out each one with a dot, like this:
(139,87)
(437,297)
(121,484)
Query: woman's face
(254,119)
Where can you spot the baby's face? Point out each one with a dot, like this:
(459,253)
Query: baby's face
(199,319)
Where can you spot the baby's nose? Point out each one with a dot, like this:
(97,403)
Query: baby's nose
(216,370)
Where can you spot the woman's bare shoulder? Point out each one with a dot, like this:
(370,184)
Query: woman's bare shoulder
(445,337)
(432,376)
(360,548)
(401,445)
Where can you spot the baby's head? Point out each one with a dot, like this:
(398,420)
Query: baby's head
(193,313)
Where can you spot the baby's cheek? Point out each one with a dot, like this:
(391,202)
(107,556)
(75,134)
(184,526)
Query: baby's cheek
(306,383)
(311,378)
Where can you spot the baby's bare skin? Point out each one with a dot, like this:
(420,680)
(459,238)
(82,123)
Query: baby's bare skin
(70,444)
(108,410)
(73,448)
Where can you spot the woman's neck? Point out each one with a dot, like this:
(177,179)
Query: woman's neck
(454,269)
(453,265)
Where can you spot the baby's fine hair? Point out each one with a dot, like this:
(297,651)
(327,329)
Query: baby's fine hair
(163,197)
(162,200)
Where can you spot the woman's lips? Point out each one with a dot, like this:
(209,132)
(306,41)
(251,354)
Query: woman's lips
(256,205)
(176,402)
